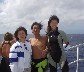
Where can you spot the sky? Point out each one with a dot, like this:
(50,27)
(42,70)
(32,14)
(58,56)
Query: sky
(15,13)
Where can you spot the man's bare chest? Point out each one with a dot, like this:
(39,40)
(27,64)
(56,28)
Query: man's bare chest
(38,43)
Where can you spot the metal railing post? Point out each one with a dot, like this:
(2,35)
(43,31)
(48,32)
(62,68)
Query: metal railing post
(77,58)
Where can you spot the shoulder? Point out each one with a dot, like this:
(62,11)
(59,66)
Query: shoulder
(5,45)
(30,39)
(61,32)
(27,42)
(15,46)
(64,36)
(45,37)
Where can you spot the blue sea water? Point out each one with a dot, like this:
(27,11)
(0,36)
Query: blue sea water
(71,54)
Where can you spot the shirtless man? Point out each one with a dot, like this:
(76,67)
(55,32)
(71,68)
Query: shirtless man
(39,59)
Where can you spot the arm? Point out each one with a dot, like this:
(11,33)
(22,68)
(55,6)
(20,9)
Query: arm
(45,51)
(64,37)
(13,59)
(16,57)
(0,50)
(5,48)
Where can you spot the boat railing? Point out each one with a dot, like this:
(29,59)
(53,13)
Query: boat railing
(78,59)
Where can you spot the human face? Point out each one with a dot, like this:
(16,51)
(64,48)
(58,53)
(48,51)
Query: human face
(36,29)
(21,35)
(53,24)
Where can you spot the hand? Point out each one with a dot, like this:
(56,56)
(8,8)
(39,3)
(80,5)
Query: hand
(43,52)
(12,41)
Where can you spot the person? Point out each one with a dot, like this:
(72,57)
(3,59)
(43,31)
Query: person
(20,52)
(5,48)
(39,50)
(55,45)
(0,57)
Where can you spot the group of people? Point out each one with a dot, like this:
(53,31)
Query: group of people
(36,54)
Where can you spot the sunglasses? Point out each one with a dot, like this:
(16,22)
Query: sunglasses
(25,46)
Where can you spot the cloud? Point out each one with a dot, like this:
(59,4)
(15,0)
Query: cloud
(73,4)
(15,13)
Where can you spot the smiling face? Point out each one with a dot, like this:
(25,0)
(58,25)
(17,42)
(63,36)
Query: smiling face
(21,35)
(36,29)
(53,24)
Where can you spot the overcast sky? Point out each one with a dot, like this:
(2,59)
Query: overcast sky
(15,13)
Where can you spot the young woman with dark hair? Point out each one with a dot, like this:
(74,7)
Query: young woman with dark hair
(55,45)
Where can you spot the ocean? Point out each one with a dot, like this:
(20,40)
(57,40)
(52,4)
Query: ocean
(75,39)
(71,54)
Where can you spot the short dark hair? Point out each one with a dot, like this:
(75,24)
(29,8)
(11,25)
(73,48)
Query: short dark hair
(8,36)
(36,23)
(19,29)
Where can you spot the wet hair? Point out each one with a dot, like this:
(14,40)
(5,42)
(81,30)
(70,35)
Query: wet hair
(8,36)
(36,23)
(53,17)
(19,29)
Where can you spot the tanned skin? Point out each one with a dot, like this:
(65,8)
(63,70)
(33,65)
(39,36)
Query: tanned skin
(38,43)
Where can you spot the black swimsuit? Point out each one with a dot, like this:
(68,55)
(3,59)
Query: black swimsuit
(55,50)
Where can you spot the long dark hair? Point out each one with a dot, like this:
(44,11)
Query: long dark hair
(53,17)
